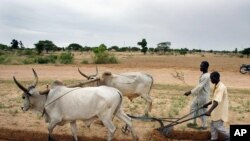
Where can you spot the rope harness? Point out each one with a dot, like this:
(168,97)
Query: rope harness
(55,100)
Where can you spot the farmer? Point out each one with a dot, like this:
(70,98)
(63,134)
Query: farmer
(219,108)
(201,96)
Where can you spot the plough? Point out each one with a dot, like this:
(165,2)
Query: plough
(166,129)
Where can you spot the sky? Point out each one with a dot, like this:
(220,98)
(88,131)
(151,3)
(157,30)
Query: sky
(199,24)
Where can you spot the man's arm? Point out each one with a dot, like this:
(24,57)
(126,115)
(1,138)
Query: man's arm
(198,87)
(206,105)
(205,79)
(215,104)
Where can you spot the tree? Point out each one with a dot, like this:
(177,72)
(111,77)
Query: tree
(74,46)
(183,51)
(14,44)
(3,47)
(135,49)
(143,44)
(246,51)
(45,45)
(115,48)
(163,47)
(21,44)
(39,47)
(49,46)
(236,51)
(101,56)
(100,49)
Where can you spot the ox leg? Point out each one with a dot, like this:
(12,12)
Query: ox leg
(51,127)
(121,115)
(111,128)
(149,103)
(74,129)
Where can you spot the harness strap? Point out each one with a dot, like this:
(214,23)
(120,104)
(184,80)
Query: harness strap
(44,106)
(60,97)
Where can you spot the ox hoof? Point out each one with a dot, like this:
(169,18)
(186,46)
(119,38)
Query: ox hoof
(125,129)
(50,139)
(136,138)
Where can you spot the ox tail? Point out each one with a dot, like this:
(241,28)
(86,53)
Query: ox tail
(151,83)
(150,107)
(119,105)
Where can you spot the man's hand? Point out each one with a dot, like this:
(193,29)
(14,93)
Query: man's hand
(206,105)
(187,93)
(215,104)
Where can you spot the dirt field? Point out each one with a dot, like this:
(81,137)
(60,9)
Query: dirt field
(173,75)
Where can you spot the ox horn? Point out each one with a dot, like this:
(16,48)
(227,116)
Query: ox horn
(83,74)
(96,71)
(20,85)
(36,78)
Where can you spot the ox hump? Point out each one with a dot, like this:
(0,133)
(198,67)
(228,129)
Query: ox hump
(56,83)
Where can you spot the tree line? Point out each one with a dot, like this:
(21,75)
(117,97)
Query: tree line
(163,47)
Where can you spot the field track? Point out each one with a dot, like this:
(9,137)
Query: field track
(25,135)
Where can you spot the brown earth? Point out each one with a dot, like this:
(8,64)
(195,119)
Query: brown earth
(174,71)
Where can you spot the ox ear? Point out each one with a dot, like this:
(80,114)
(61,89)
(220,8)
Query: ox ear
(45,92)
(107,73)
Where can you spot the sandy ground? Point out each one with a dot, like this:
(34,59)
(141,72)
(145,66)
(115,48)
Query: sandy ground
(183,71)
(160,75)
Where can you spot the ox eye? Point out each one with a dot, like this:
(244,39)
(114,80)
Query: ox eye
(23,97)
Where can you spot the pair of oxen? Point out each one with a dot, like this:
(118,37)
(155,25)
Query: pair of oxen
(61,104)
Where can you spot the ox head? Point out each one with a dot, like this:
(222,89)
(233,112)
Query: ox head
(29,92)
(90,77)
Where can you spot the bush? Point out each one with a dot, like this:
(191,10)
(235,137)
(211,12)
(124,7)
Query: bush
(1,53)
(66,58)
(113,59)
(84,62)
(105,58)
(7,59)
(29,61)
(102,56)
(2,59)
(42,60)
(52,58)
(28,52)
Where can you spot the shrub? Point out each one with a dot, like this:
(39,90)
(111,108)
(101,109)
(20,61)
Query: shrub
(101,56)
(52,58)
(28,52)
(2,59)
(1,53)
(29,61)
(105,58)
(84,62)
(113,59)
(66,58)
(7,59)
(42,60)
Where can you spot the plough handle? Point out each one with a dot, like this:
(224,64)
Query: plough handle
(175,123)
(150,118)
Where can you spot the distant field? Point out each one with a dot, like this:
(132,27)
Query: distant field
(173,75)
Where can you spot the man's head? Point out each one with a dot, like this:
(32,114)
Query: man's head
(204,66)
(215,77)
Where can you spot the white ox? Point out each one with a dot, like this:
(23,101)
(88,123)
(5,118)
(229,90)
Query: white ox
(131,84)
(62,104)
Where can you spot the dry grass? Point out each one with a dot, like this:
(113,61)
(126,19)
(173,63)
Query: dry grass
(173,76)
